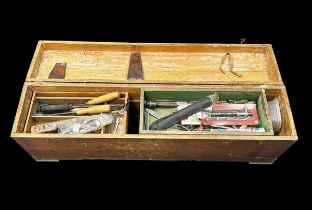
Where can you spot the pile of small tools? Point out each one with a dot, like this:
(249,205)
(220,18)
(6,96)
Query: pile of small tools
(206,114)
(92,120)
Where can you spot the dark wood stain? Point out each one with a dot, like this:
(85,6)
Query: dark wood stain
(58,71)
(135,71)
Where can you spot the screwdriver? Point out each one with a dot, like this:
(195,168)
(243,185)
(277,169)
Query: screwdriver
(59,108)
(156,104)
(56,108)
(91,110)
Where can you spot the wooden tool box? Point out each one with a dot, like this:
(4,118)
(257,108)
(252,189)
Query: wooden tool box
(139,70)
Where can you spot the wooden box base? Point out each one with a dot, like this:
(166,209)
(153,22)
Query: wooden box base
(141,146)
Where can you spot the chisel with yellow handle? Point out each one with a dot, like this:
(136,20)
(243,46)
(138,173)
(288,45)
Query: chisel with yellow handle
(104,98)
(58,108)
(92,110)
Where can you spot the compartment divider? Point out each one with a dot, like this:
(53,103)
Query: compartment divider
(31,111)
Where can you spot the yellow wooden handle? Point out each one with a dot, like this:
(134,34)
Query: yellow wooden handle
(92,110)
(104,98)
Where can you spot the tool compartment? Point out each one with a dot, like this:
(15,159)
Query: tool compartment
(98,68)
(257,96)
(35,118)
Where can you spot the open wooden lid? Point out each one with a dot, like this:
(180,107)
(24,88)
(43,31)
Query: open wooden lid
(154,63)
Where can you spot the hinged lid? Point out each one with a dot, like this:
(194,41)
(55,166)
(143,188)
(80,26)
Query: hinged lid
(154,63)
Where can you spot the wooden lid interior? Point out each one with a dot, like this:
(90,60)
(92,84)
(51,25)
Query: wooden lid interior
(160,63)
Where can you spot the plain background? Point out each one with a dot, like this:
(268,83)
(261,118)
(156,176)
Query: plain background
(194,24)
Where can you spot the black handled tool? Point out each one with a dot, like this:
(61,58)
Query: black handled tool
(168,121)
(156,104)
(56,108)
(59,108)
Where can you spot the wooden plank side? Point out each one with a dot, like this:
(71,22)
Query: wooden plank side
(150,82)
(48,89)
(151,47)
(36,61)
(22,110)
(156,136)
(288,125)
(273,64)
(154,149)
(31,111)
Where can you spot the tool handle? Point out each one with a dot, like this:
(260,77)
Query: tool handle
(92,110)
(55,108)
(170,120)
(104,98)
(165,104)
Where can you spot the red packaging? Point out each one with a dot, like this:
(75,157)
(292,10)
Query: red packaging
(240,114)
